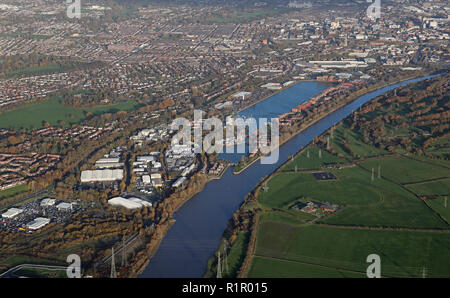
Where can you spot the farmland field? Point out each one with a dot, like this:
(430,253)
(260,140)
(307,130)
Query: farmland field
(348,249)
(442,162)
(438,205)
(441,187)
(378,203)
(391,191)
(405,170)
(358,148)
(303,162)
(266,268)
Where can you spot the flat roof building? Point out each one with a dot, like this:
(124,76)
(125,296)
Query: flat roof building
(38,223)
(108,165)
(101,175)
(47,202)
(132,203)
(64,206)
(241,95)
(156,180)
(146,179)
(180,182)
(11,213)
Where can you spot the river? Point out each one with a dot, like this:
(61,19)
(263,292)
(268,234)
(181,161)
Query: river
(200,223)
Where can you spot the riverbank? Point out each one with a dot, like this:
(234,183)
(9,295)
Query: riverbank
(256,209)
(201,224)
(250,162)
(166,227)
(154,246)
(276,93)
(355,95)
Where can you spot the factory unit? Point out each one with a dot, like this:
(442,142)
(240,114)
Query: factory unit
(101,175)
(11,213)
(131,203)
(47,202)
(180,183)
(108,163)
(64,206)
(38,223)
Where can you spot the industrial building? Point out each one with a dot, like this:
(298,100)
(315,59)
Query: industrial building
(101,175)
(146,179)
(156,180)
(11,213)
(64,206)
(108,162)
(47,202)
(131,203)
(38,223)
(241,95)
(181,182)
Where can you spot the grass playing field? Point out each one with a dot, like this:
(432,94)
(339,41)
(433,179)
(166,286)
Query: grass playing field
(13,191)
(35,70)
(53,111)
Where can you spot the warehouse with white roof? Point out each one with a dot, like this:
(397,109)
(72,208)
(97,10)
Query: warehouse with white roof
(64,206)
(101,175)
(38,223)
(11,213)
(131,203)
(47,202)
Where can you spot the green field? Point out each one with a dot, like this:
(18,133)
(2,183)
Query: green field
(366,203)
(292,217)
(244,16)
(358,148)
(314,161)
(405,170)
(237,254)
(396,216)
(53,111)
(265,268)
(13,191)
(438,205)
(40,273)
(35,70)
(16,260)
(13,35)
(441,162)
(235,257)
(403,253)
(441,149)
(441,187)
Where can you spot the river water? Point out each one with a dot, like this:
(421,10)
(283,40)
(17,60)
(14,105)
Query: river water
(200,223)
